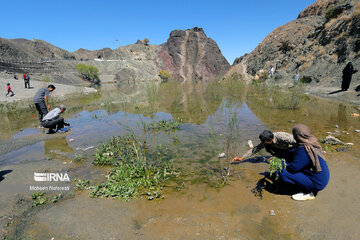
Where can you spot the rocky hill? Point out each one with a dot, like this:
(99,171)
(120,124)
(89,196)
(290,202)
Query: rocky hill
(188,55)
(318,44)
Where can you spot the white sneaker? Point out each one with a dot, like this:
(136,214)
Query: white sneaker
(303,196)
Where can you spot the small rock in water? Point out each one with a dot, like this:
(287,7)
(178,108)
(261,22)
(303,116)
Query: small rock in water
(358,131)
(337,131)
(336,126)
(332,140)
(250,144)
(330,133)
(291,121)
(71,140)
(272,213)
(102,104)
(221,155)
(350,144)
(355,115)
(343,149)
(345,132)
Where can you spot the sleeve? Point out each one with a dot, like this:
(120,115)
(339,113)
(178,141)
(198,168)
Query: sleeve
(256,149)
(300,162)
(47,92)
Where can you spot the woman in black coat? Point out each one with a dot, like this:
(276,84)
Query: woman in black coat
(347,74)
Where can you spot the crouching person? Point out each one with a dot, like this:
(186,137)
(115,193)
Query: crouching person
(52,120)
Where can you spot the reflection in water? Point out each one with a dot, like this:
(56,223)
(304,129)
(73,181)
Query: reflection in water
(55,148)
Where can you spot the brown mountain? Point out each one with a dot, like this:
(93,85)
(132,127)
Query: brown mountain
(318,44)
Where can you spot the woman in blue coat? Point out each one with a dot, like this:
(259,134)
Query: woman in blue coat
(308,169)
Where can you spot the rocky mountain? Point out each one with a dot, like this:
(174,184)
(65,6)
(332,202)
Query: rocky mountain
(191,54)
(31,50)
(318,44)
(187,55)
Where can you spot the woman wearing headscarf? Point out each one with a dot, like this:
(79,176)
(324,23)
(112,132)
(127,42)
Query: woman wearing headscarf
(308,169)
(347,74)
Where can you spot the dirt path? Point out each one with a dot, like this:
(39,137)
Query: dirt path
(22,93)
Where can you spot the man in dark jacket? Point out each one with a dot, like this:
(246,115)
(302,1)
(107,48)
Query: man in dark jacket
(41,100)
(347,74)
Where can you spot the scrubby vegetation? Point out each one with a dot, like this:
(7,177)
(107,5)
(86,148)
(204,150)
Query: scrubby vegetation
(164,75)
(163,125)
(88,73)
(276,166)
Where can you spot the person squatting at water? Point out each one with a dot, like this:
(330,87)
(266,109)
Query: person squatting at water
(41,100)
(52,120)
(276,144)
(306,167)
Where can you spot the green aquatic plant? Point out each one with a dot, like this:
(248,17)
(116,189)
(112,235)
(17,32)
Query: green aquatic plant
(131,180)
(163,125)
(81,184)
(79,158)
(38,199)
(276,166)
(137,169)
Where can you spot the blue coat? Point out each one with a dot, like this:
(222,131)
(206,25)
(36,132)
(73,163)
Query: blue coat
(298,171)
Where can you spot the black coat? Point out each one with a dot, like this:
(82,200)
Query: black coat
(347,74)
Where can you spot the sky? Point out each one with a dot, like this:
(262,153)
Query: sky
(237,26)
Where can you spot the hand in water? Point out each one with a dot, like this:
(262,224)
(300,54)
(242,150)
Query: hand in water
(236,159)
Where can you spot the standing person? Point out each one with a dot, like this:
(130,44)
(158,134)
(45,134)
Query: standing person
(41,100)
(277,144)
(8,88)
(296,77)
(347,74)
(308,169)
(27,80)
(271,71)
(53,121)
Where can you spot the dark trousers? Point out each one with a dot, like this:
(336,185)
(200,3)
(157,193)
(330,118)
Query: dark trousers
(42,110)
(56,123)
(27,83)
(10,92)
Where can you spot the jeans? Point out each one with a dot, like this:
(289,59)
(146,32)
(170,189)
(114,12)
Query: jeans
(41,108)
(56,123)
(27,83)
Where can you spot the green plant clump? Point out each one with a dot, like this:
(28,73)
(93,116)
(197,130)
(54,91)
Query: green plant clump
(137,169)
(163,125)
(81,184)
(276,166)
(38,199)
(131,180)
(88,73)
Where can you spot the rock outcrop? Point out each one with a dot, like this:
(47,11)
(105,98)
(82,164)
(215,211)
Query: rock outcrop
(318,44)
(191,55)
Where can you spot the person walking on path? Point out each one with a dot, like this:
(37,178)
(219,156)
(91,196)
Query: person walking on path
(271,72)
(52,120)
(296,77)
(41,100)
(347,74)
(277,144)
(27,80)
(307,169)
(8,89)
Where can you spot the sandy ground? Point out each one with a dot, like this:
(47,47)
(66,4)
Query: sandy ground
(334,93)
(22,93)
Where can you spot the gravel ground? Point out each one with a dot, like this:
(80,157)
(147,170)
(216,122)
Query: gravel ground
(22,93)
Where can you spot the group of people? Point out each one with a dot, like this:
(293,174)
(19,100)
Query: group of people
(305,166)
(52,119)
